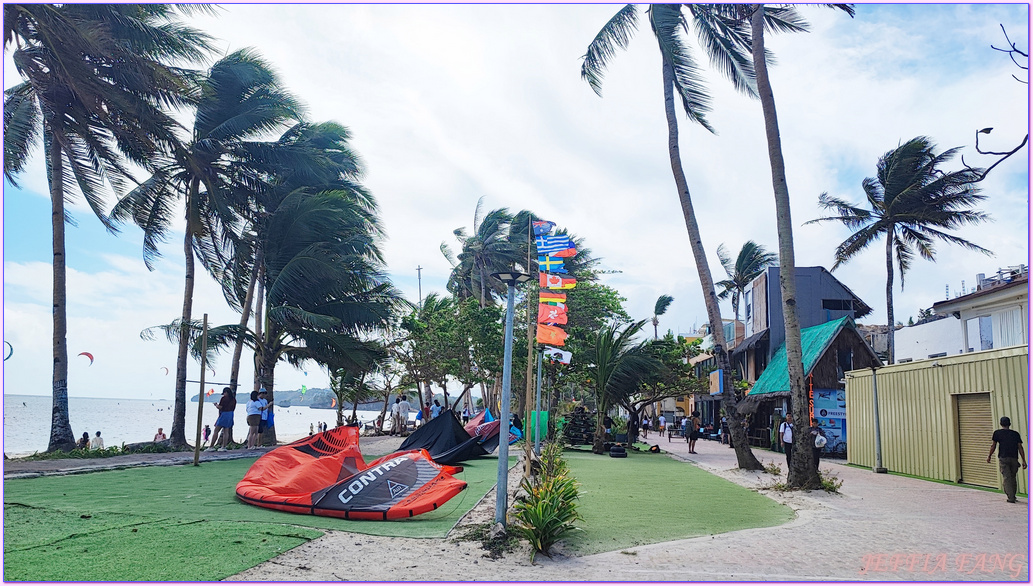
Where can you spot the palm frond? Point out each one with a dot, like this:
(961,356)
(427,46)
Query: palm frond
(666,21)
(616,34)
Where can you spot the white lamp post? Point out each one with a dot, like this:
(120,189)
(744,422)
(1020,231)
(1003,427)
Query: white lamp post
(501,487)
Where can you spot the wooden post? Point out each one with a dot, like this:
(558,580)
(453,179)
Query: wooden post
(200,394)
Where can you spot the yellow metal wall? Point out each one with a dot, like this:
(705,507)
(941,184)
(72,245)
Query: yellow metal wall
(917,413)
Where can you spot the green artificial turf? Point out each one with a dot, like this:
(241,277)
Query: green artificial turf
(651,498)
(94,515)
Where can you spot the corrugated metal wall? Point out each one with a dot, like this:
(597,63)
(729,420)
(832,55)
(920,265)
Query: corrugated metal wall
(918,413)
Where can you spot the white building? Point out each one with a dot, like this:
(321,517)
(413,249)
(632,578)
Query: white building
(931,339)
(993,317)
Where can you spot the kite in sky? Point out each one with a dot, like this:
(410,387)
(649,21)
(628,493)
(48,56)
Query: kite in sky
(88,355)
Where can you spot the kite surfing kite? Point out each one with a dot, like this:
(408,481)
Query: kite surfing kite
(10,352)
(88,355)
(166,369)
(325,475)
(446,441)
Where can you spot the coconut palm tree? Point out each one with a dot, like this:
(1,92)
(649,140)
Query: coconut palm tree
(240,100)
(97,78)
(749,264)
(723,39)
(662,303)
(487,250)
(619,365)
(911,203)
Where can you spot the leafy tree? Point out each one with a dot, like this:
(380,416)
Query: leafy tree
(673,377)
(911,203)
(749,264)
(240,99)
(97,77)
(722,37)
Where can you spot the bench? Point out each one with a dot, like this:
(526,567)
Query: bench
(674,431)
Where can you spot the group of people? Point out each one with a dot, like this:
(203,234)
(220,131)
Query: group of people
(786,433)
(86,443)
(400,414)
(319,427)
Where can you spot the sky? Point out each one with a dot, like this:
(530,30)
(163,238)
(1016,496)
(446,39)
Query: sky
(451,103)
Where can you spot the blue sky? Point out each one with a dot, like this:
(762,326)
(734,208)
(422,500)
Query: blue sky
(448,103)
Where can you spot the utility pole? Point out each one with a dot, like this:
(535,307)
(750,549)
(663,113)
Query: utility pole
(419,284)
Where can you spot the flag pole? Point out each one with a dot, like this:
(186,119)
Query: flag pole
(200,393)
(530,347)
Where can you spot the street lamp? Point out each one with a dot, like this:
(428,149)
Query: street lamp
(511,279)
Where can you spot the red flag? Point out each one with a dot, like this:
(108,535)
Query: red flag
(552,314)
(566,253)
(551,335)
(555,281)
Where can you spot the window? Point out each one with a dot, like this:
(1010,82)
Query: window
(845,358)
(903,360)
(837,304)
(1007,328)
(748,298)
(938,355)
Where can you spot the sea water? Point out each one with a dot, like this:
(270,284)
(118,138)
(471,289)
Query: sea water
(27,420)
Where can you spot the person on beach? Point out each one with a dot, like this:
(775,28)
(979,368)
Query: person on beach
(97,443)
(785,438)
(84,441)
(394,415)
(267,411)
(466,414)
(311,429)
(224,424)
(403,413)
(435,409)
(254,419)
(160,436)
(1008,458)
(206,433)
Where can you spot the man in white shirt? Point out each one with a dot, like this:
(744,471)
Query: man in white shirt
(394,415)
(403,413)
(663,425)
(97,443)
(785,437)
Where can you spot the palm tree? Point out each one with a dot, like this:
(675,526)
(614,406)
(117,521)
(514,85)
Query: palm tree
(240,100)
(96,80)
(619,366)
(749,264)
(662,303)
(488,250)
(723,40)
(802,473)
(911,203)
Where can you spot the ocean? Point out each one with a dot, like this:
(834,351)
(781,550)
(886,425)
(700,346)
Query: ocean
(27,420)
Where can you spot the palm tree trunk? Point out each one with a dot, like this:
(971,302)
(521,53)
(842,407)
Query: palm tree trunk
(889,294)
(259,323)
(178,434)
(802,473)
(266,365)
(245,316)
(61,437)
(743,453)
(600,429)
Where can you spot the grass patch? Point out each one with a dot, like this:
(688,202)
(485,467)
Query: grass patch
(651,498)
(94,516)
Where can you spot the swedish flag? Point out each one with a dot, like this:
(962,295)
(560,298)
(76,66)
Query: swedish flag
(551,264)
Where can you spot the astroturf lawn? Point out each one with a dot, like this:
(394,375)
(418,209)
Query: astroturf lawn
(133,524)
(651,498)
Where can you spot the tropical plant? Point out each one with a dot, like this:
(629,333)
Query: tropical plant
(662,303)
(748,265)
(215,174)
(723,38)
(487,250)
(548,509)
(97,77)
(782,19)
(911,203)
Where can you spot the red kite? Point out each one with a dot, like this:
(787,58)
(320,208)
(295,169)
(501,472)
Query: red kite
(88,355)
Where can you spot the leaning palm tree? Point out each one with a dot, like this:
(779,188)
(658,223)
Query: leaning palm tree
(96,80)
(487,250)
(748,265)
(662,303)
(240,100)
(723,40)
(911,203)
(620,365)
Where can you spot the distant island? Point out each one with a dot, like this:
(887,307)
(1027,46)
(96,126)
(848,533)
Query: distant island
(315,398)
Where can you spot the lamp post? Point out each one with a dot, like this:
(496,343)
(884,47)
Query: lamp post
(511,279)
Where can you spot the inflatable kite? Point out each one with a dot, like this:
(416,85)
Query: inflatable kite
(325,475)
(445,440)
(88,355)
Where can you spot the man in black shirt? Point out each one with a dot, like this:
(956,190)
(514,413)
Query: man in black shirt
(1008,457)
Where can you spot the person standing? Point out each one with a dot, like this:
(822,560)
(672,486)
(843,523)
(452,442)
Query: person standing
(395,425)
(466,414)
(694,426)
(1008,458)
(254,419)
(813,432)
(97,443)
(403,413)
(662,425)
(224,424)
(645,427)
(785,438)
(724,429)
(435,409)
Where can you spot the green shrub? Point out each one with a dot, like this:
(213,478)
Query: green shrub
(547,513)
(553,464)
(773,468)
(829,481)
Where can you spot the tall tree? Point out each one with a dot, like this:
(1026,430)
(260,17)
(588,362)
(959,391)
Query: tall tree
(911,202)
(97,77)
(722,38)
(660,308)
(748,265)
(241,99)
(487,250)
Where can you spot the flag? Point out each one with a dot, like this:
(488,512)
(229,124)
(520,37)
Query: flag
(551,314)
(542,227)
(551,264)
(557,355)
(551,335)
(568,253)
(551,244)
(549,297)
(303,389)
(556,281)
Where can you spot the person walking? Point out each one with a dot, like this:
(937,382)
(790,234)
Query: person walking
(97,443)
(1008,458)
(224,424)
(785,438)
(395,425)
(645,427)
(661,425)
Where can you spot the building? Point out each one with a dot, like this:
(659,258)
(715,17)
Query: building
(996,315)
(930,339)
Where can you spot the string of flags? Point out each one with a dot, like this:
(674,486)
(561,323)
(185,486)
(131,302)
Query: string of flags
(552,306)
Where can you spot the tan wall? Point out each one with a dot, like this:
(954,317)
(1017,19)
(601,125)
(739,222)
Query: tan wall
(918,421)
